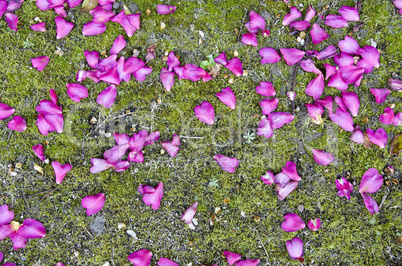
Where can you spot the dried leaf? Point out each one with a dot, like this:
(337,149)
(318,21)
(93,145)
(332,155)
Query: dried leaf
(357,27)
(396,145)
(367,143)
(215,70)
(88,5)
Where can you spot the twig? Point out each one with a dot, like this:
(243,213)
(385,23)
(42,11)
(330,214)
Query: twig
(242,25)
(26,49)
(107,118)
(187,137)
(263,246)
(26,202)
(29,196)
(45,196)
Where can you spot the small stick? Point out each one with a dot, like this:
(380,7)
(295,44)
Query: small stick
(45,196)
(26,202)
(242,24)
(187,137)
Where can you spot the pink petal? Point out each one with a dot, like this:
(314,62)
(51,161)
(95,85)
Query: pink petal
(111,77)
(327,103)
(6,216)
(220,59)
(120,70)
(378,137)
(315,87)
(395,84)
(135,157)
(265,129)
(344,60)
(292,55)
(351,102)
(121,166)
(309,66)
(40,62)
(388,116)
(291,95)
(14,5)
(269,55)
(283,192)
(281,179)
(93,28)
(265,33)
(249,39)
(357,136)
(43,126)
(371,181)
(73,3)
(93,203)
(311,53)
(167,79)
(101,15)
(268,178)
(344,187)
(3,9)
(172,147)
(140,258)
(398,119)
(118,45)
(300,25)
(12,21)
(295,248)
(188,215)
(251,30)
(76,91)
(205,113)
(166,262)
(336,81)
(41,27)
(60,171)
(256,21)
(370,203)
(31,228)
(349,45)
(132,65)
(38,150)
(63,27)
(315,111)
(318,34)
(328,52)
(152,137)
(5,111)
(232,258)
(137,141)
(172,61)
(380,94)
(322,157)
(248,262)
(265,89)
(398,4)
(130,23)
(291,16)
(343,119)
(363,64)
(17,123)
(140,74)
(18,242)
(340,103)
(268,105)
(154,198)
(292,223)
(164,9)
(371,55)
(336,21)
(310,13)
(235,66)
(53,95)
(92,58)
(227,164)
(42,5)
(107,96)
(55,122)
(60,11)
(99,165)
(227,97)
(314,225)
(47,107)
(279,119)
(144,189)
(349,13)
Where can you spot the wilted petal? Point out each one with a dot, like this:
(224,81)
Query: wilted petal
(269,55)
(17,123)
(292,55)
(140,258)
(264,128)
(205,113)
(5,111)
(371,55)
(60,11)
(349,45)
(268,105)
(92,28)
(336,81)
(63,27)
(220,59)
(154,198)
(378,137)
(380,94)
(231,257)
(371,181)
(12,21)
(256,21)
(322,157)
(309,66)
(248,262)
(281,179)
(344,187)
(291,16)
(40,62)
(370,203)
(279,119)
(312,53)
(344,60)
(292,223)
(172,147)
(268,178)
(235,66)
(227,97)
(6,216)
(167,79)
(93,203)
(76,91)
(395,84)
(41,27)
(188,215)
(118,45)
(60,171)
(315,224)
(328,52)
(351,102)
(336,21)
(318,34)
(300,25)
(164,9)
(315,111)
(107,96)
(295,248)
(283,192)
(315,87)
(357,136)
(38,150)
(227,164)
(99,165)
(249,39)
(265,89)
(349,13)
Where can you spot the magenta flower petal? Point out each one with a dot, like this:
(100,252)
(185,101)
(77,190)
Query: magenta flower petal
(336,81)
(322,157)
(120,70)
(107,96)
(268,105)
(40,62)
(281,179)
(256,21)
(76,91)
(41,27)
(55,122)
(265,89)
(268,178)
(378,137)
(141,74)
(291,16)
(315,111)
(166,262)
(93,203)
(6,216)
(118,45)
(398,119)
(232,258)
(370,203)
(99,165)
(371,181)
(279,119)
(227,97)
(227,164)
(265,129)
(235,66)
(398,4)
(340,103)
(343,119)
(43,126)
(3,9)
(60,170)
(363,64)
(292,55)
(395,84)
(5,111)
(357,136)
(315,224)
(12,21)
(38,150)
(328,52)
(327,103)
(60,11)
(283,192)
(121,139)
(249,39)
(380,94)
(137,141)
(318,34)
(152,137)
(188,215)
(349,45)
(92,28)
(154,198)
(73,3)
(269,55)
(344,60)
(336,21)
(351,102)
(309,66)
(315,87)
(31,228)
(17,123)
(310,13)
(92,58)
(295,248)
(172,61)
(220,59)
(205,113)
(248,262)
(144,189)
(349,13)
(167,79)
(164,9)
(312,53)
(140,258)
(47,107)
(292,223)
(344,187)
(300,25)
(388,116)
(172,147)
(371,55)
(63,27)
(291,95)
(135,157)
(101,15)
(53,95)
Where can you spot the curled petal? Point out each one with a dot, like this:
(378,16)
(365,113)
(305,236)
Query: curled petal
(309,66)
(154,198)
(227,97)
(41,27)
(380,94)
(336,21)
(76,91)
(268,178)
(378,137)
(63,27)
(40,62)
(167,79)
(318,34)
(12,21)
(228,164)
(205,113)
(349,13)
(292,55)
(268,105)
(292,223)
(310,13)
(395,84)
(279,119)
(291,95)
(295,248)
(269,55)
(118,45)
(249,39)
(314,225)
(93,203)
(188,215)
(172,61)
(53,95)
(322,157)
(283,192)
(164,9)
(315,87)
(265,129)
(340,103)
(17,123)
(328,52)
(351,102)
(5,111)
(370,203)
(107,96)
(235,66)
(357,136)
(291,16)
(344,187)
(371,55)
(349,45)
(93,28)
(140,258)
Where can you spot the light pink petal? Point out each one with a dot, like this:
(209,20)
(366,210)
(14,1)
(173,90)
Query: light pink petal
(231,257)
(344,60)
(164,9)
(220,59)
(152,137)
(300,25)
(5,111)
(248,262)
(47,107)
(380,94)
(166,262)
(55,3)
(31,228)
(73,3)
(107,96)
(269,55)
(315,224)
(268,105)
(135,157)
(291,95)
(92,58)
(227,164)
(322,157)
(349,13)
(118,45)
(309,66)
(268,178)
(344,187)
(328,52)
(283,192)
(310,13)
(315,87)
(132,65)
(371,55)
(279,119)
(101,15)
(154,199)
(336,81)
(56,122)
(395,84)
(256,21)
(188,215)
(63,27)
(371,181)
(357,136)
(172,147)
(378,137)
(76,91)
(340,103)
(6,231)
(38,150)
(93,28)
(41,27)
(349,45)
(93,203)
(281,179)
(205,113)
(398,119)
(142,73)
(265,129)
(336,21)
(370,203)
(140,258)
(43,126)
(327,103)
(295,248)
(172,61)
(18,242)
(235,66)
(388,116)
(53,95)
(17,123)
(351,102)
(292,55)
(292,223)
(99,165)
(6,216)
(60,171)
(227,97)
(363,64)
(12,21)
(106,2)
(318,34)
(315,111)
(398,4)
(291,16)
(167,79)
(40,62)
(249,39)
(343,119)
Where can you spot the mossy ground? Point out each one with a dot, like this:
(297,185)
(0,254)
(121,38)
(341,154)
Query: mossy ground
(349,234)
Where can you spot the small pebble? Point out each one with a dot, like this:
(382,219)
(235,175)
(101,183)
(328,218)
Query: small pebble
(231,80)
(235,53)
(148,11)
(163,25)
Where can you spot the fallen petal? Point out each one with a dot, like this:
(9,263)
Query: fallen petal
(315,111)
(300,25)
(291,16)
(295,248)
(12,21)
(227,164)
(292,55)
(38,150)
(60,171)
(309,66)
(279,119)
(343,119)
(235,66)
(357,136)
(268,105)
(232,258)
(283,192)
(173,61)
(336,21)
(349,45)
(249,39)
(154,198)
(63,27)
(328,52)
(205,113)
(17,123)
(344,60)
(40,62)
(166,262)
(388,116)
(76,91)
(380,94)
(93,203)
(164,9)
(265,129)
(256,21)
(310,13)
(92,28)
(344,187)
(31,228)
(314,225)
(269,55)
(315,87)
(172,147)
(292,223)
(140,258)
(188,215)
(118,45)
(227,97)
(371,55)
(268,178)
(99,165)
(371,181)
(41,27)
(318,34)
(395,84)
(351,102)
(107,96)
(378,137)
(349,13)
(336,81)
(167,79)
(322,157)
(5,111)
(6,216)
